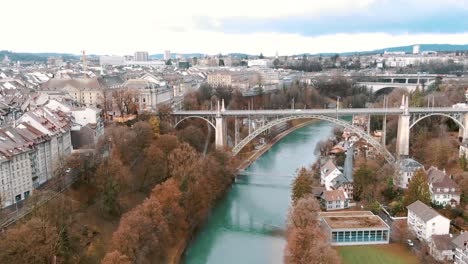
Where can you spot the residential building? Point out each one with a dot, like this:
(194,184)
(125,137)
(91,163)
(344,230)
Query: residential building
(238,79)
(444,191)
(57,126)
(441,247)
(347,228)
(15,167)
(141,56)
(405,171)
(85,91)
(31,152)
(425,221)
(335,200)
(328,174)
(460,244)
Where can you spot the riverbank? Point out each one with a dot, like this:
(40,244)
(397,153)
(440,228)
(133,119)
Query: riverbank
(246,163)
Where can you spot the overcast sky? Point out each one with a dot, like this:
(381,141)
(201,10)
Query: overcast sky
(224,26)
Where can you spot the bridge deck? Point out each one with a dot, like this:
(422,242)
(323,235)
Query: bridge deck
(329,112)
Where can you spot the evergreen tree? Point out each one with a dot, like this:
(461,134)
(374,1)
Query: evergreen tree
(418,189)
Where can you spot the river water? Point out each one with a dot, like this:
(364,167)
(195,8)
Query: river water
(248,225)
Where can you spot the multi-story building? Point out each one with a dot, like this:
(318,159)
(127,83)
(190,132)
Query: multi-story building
(405,171)
(141,56)
(15,167)
(444,191)
(57,126)
(148,95)
(31,152)
(460,244)
(239,79)
(85,91)
(425,221)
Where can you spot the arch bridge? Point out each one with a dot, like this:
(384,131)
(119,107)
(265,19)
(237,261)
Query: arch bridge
(260,121)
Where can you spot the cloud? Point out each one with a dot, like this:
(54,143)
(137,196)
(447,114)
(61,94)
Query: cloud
(213,26)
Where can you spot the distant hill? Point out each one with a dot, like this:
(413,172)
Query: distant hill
(39,57)
(407,49)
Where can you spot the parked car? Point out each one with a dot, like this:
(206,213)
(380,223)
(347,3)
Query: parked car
(410,243)
(68,170)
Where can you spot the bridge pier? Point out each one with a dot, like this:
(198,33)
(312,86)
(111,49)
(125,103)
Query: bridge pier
(221,128)
(403,134)
(463,133)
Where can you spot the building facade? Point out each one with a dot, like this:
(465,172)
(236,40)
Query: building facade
(348,228)
(444,191)
(425,221)
(405,171)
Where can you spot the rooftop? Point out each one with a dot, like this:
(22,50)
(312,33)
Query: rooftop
(423,211)
(442,242)
(352,220)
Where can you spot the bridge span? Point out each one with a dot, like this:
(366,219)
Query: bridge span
(266,119)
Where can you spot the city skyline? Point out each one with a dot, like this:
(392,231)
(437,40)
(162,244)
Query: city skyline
(243,26)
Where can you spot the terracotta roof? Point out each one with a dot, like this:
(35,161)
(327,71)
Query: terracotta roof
(423,211)
(334,195)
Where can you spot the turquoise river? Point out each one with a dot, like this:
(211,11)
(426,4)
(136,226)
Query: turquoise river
(248,225)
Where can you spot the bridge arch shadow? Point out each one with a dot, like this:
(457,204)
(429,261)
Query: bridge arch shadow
(381,149)
(385,91)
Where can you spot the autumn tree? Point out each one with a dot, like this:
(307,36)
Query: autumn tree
(32,242)
(302,185)
(112,178)
(418,189)
(194,136)
(125,101)
(115,257)
(306,241)
(155,125)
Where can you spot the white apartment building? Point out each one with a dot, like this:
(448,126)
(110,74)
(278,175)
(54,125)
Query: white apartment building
(425,221)
(444,191)
(405,171)
(57,126)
